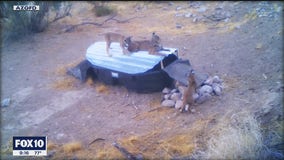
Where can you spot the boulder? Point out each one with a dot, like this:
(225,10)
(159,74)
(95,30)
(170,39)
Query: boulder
(209,81)
(168,103)
(200,78)
(174,90)
(195,96)
(203,98)
(217,90)
(166,90)
(167,96)
(205,89)
(5,102)
(216,79)
(178,104)
(176,96)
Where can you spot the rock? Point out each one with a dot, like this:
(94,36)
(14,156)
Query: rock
(266,109)
(166,90)
(209,81)
(50,154)
(205,89)
(174,90)
(228,20)
(178,26)
(178,104)
(167,96)
(188,15)
(179,15)
(279,87)
(194,4)
(178,8)
(203,98)
(192,110)
(165,8)
(181,89)
(194,20)
(217,89)
(59,136)
(170,3)
(216,79)
(195,96)
(5,102)
(176,96)
(200,78)
(201,9)
(228,15)
(168,103)
(186,107)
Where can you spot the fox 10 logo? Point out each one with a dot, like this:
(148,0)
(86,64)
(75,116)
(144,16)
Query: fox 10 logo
(26,7)
(29,146)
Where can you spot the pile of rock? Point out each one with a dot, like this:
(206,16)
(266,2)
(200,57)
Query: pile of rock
(212,86)
(266,9)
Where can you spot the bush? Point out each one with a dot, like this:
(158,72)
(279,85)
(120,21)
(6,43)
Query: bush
(15,24)
(103,11)
(101,8)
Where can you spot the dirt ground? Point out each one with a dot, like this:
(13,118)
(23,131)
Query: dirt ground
(244,49)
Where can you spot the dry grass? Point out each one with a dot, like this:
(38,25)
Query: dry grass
(51,146)
(61,70)
(156,115)
(107,151)
(90,81)
(154,103)
(72,147)
(237,137)
(64,83)
(258,46)
(98,150)
(7,149)
(231,26)
(178,145)
(161,144)
(72,150)
(101,88)
(233,136)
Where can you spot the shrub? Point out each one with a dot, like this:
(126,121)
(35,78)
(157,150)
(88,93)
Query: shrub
(101,8)
(236,137)
(103,11)
(15,24)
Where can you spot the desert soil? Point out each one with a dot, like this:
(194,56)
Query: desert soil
(244,49)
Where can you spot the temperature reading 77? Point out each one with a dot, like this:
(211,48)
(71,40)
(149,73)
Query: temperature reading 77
(37,152)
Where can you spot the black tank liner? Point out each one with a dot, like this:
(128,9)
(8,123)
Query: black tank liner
(139,71)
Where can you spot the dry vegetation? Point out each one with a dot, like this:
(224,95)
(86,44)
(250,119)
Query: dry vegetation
(102,88)
(64,81)
(72,147)
(236,135)
(64,84)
